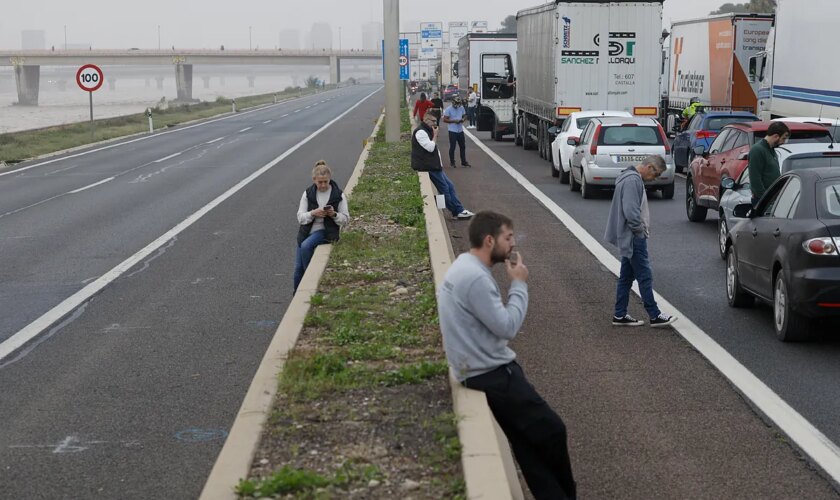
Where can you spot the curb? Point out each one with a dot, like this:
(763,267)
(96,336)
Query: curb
(234,461)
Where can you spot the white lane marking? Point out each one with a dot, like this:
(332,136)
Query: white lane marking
(266,122)
(168,157)
(92,185)
(813,442)
(32,330)
(296,111)
(215,140)
(284,116)
(158,134)
(245,129)
(314,105)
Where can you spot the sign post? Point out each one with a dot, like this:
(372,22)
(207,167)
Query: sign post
(89,78)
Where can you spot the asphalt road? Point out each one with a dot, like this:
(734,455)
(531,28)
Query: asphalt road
(689,273)
(131,394)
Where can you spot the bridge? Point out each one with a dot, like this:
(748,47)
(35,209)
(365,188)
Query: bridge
(27,63)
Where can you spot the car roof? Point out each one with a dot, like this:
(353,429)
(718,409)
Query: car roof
(605,113)
(624,120)
(809,119)
(717,114)
(805,149)
(763,125)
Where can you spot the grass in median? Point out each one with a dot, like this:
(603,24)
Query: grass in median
(19,146)
(367,383)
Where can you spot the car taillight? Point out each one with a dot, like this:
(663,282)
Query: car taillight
(704,134)
(593,150)
(664,140)
(821,246)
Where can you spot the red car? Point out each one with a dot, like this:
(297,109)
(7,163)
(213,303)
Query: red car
(728,157)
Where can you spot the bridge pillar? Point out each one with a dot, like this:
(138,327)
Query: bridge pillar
(28,80)
(335,69)
(251,80)
(183,82)
(159,82)
(206,81)
(112,84)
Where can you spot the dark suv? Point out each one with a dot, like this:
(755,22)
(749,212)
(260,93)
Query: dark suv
(728,157)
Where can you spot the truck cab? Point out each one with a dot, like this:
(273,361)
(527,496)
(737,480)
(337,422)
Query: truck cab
(486,64)
(761,72)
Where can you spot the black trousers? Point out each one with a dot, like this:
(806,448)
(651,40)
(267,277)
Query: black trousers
(536,433)
(457,138)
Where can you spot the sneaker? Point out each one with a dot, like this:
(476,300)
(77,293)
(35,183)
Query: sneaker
(452,165)
(466,214)
(465,164)
(627,320)
(662,320)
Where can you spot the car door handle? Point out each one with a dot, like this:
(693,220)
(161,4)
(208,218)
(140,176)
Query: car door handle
(723,160)
(776,233)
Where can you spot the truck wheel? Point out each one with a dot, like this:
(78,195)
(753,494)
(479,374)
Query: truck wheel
(540,141)
(497,136)
(548,153)
(693,211)
(668,192)
(527,142)
(517,131)
(564,176)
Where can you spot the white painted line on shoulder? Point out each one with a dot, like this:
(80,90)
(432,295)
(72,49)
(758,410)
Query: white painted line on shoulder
(33,329)
(92,185)
(307,107)
(296,111)
(813,442)
(245,129)
(266,122)
(168,157)
(284,116)
(215,140)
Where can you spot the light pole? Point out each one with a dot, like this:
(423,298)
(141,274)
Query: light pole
(339,38)
(158,37)
(391,17)
(250,45)
(65,37)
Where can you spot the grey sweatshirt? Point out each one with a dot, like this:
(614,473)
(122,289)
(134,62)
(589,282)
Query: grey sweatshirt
(475,323)
(629,215)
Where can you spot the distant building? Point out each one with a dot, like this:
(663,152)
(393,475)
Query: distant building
(33,40)
(372,35)
(321,37)
(289,39)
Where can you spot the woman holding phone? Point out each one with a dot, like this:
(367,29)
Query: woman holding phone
(321,213)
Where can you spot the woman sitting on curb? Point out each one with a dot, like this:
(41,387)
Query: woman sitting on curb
(322,212)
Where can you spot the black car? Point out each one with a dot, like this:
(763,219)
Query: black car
(786,251)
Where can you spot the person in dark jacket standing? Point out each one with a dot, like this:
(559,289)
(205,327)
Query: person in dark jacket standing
(764,164)
(321,213)
(437,107)
(425,157)
(628,228)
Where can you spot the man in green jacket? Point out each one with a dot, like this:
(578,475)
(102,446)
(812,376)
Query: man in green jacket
(764,165)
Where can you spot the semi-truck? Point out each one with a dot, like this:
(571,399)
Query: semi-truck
(583,56)
(709,60)
(797,73)
(486,63)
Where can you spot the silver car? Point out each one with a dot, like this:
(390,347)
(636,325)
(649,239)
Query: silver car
(791,157)
(608,145)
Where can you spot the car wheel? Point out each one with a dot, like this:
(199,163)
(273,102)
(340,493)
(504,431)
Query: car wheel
(695,212)
(790,326)
(723,235)
(573,184)
(586,190)
(564,176)
(668,192)
(735,294)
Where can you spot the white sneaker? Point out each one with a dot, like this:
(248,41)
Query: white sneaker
(466,214)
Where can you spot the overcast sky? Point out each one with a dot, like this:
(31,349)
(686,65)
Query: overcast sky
(210,23)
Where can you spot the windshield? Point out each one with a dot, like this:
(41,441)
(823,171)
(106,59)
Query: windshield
(813,162)
(719,122)
(828,195)
(630,136)
(800,136)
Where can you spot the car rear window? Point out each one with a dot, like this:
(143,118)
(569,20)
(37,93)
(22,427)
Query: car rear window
(583,122)
(630,136)
(800,136)
(718,123)
(814,162)
(828,194)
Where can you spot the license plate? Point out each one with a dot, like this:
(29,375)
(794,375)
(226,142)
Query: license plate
(629,158)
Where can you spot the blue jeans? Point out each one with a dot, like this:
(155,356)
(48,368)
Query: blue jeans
(457,138)
(447,189)
(305,252)
(636,268)
(471,114)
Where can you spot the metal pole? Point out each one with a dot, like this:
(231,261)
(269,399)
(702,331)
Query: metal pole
(92,129)
(250,44)
(65,37)
(158,37)
(391,17)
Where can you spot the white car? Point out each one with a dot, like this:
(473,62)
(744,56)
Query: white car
(833,125)
(561,151)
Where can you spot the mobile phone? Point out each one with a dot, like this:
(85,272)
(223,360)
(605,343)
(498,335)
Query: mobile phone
(328,207)
(514,257)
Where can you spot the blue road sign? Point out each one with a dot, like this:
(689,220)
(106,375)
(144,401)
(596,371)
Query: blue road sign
(404,59)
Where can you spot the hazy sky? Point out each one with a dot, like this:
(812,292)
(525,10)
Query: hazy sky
(210,23)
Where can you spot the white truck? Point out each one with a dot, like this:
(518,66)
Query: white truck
(709,60)
(486,63)
(583,56)
(797,74)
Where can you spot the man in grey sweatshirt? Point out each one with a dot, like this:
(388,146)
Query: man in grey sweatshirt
(628,228)
(477,326)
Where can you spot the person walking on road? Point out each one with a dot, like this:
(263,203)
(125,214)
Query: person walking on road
(321,213)
(437,107)
(628,228)
(763,163)
(454,117)
(421,106)
(472,107)
(477,326)
(425,157)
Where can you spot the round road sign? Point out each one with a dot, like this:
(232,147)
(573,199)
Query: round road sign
(403,61)
(89,77)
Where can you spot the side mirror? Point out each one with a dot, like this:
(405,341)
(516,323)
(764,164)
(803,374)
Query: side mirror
(728,183)
(743,211)
(554,130)
(744,156)
(573,141)
(699,150)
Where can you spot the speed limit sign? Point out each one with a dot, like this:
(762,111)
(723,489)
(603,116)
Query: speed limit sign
(89,77)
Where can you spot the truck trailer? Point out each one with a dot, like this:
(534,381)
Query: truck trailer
(486,63)
(797,73)
(583,56)
(709,60)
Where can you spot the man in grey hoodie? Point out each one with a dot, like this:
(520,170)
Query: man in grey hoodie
(628,228)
